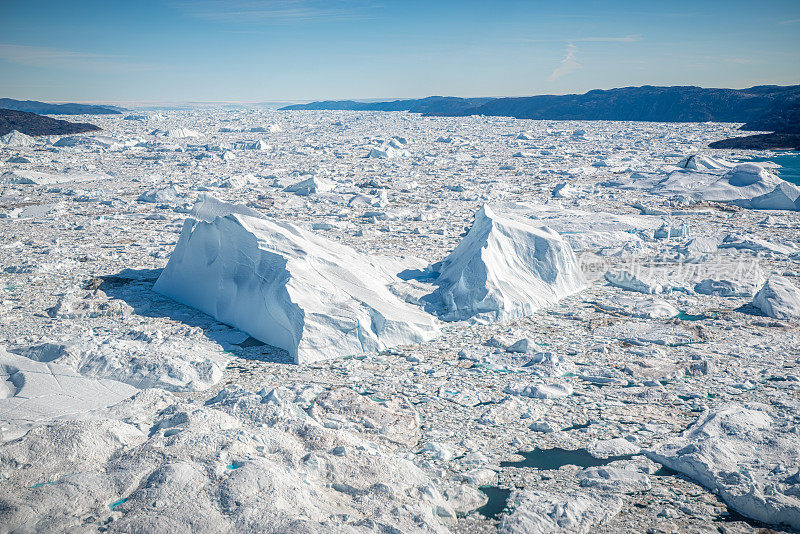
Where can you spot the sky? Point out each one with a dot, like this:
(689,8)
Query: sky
(300,50)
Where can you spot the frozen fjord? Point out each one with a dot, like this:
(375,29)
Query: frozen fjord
(667,334)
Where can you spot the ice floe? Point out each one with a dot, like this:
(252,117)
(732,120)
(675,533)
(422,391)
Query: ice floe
(33,392)
(747,457)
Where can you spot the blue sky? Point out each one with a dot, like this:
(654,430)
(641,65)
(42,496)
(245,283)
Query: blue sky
(296,50)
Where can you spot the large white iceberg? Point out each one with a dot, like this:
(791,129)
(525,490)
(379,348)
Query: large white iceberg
(287,287)
(504,268)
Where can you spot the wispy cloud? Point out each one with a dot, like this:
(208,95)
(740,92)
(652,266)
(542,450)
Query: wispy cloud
(790,21)
(568,65)
(624,39)
(275,11)
(66,59)
(741,60)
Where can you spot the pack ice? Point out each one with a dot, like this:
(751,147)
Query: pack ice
(287,287)
(504,268)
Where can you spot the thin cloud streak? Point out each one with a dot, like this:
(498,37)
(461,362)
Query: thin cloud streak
(65,59)
(275,11)
(625,39)
(568,65)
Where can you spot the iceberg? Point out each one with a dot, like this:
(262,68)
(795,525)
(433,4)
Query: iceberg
(314,298)
(258,144)
(27,177)
(394,148)
(701,162)
(16,139)
(746,185)
(94,141)
(779,298)
(503,269)
(176,133)
(309,186)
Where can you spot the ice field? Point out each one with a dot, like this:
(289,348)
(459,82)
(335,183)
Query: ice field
(226,320)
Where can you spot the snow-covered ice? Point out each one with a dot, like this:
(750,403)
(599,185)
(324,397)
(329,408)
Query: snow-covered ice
(625,309)
(749,458)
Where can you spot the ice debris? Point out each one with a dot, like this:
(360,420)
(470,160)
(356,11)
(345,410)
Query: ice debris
(542,512)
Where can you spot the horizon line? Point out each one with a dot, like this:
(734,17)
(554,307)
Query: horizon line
(369,99)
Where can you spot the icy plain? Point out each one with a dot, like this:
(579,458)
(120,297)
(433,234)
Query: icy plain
(634,366)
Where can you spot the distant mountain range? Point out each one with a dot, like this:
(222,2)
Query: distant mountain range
(758,107)
(433,105)
(33,124)
(43,108)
